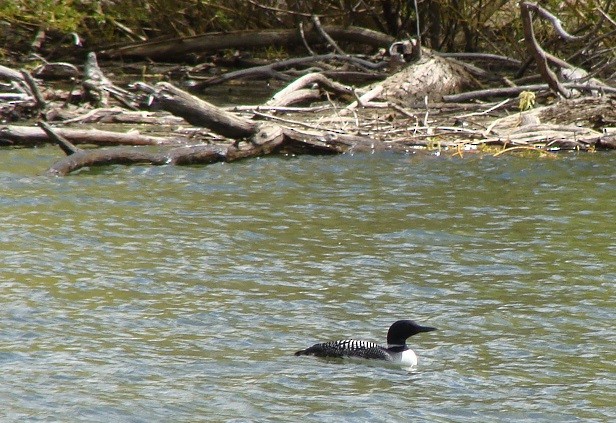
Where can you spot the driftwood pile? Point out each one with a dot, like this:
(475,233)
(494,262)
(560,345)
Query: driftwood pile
(422,102)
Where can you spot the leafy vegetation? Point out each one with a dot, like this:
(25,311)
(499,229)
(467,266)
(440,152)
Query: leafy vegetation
(446,25)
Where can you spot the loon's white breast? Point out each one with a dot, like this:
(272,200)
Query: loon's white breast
(408,358)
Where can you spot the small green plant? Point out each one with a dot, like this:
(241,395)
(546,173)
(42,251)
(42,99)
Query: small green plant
(527,100)
(61,15)
(273,52)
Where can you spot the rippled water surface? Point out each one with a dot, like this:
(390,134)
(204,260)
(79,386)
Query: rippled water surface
(148,294)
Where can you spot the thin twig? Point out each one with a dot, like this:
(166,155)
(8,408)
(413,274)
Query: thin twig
(425,120)
(296,122)
(303,35)
(402,110)
(366,97)
(485,112)
(511,91)
(606,16)
(38,97)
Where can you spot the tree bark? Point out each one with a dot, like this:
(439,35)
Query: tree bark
(201,113)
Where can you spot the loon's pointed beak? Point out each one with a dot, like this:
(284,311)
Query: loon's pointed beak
(426,329)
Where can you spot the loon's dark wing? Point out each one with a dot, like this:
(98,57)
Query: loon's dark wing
(347,348)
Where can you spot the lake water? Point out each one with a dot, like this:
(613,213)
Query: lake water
(146,294)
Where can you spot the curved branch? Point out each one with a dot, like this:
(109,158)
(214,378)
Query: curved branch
(553,19)
(282,97)
(10,74)
(535,49)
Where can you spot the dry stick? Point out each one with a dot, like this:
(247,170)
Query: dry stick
(483,56)
(403,111)
(38,97)
(10,74)
(510,91)
(366,97)
(279,98)
(31,135)
(66,146)
(295,122)
(298,96)
(265,71)
(330,40)
(278,10)
(553,19)
(606,16)
(283,109)
(358,99)
(303,35)
(265,141)
(417,30)
(366,103)
(425,120)
(485,112)
(199,112)
(270,70)
(533,47)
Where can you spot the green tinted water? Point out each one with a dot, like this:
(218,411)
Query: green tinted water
(180,294)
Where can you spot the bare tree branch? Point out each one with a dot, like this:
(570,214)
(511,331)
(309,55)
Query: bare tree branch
(535,49)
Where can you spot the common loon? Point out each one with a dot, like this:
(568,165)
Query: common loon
(396,351)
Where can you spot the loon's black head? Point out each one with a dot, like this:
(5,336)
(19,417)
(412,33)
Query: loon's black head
(402,329)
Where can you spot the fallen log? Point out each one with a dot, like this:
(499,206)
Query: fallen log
(28,136)
(177,48)
(254,138)
(269,139)
(427,80)
(265,141)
